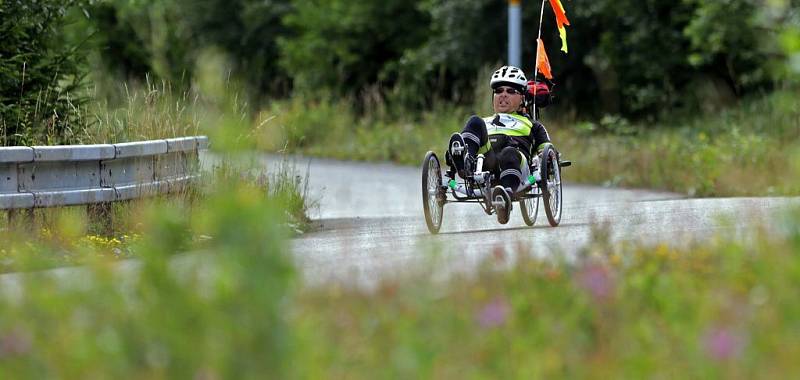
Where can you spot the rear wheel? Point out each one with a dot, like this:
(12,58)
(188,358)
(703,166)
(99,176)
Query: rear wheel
(432,200)
(551,185)
(529,207)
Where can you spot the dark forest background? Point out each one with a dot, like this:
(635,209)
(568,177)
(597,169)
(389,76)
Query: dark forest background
(640,59)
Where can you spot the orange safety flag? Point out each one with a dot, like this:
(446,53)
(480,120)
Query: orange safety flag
(542,62)
(561,20)
(561,15)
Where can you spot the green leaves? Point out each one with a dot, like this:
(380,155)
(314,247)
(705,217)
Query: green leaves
(346,46)
(634,58)
(39,75)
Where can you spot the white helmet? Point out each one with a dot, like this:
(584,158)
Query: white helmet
(509,76)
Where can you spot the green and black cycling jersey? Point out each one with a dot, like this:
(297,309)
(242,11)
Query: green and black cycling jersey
(515,130)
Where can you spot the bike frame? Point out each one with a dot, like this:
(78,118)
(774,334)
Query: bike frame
(484,188)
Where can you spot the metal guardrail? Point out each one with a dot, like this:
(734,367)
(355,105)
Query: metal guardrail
(49,176)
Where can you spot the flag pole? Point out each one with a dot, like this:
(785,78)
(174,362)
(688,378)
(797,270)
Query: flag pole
(514,33)
(536,66)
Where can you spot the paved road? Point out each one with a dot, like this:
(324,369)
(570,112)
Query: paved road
(372,225)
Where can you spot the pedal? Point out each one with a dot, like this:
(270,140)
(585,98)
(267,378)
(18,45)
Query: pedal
(450,172)
(564,163)
(457,145)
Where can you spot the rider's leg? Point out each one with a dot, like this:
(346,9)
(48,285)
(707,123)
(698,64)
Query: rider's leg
(511,163)
(475,135)
(465,146)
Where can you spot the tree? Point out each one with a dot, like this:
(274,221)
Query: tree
(39,74)
(347,46)
(247,30)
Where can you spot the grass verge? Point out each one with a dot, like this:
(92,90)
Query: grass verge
(66,236)
(720,309)
(70,235)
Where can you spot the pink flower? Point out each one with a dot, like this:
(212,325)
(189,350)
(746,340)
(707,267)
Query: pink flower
(493,314)
(15,342)
(596,280)
(205,374)
(721,343)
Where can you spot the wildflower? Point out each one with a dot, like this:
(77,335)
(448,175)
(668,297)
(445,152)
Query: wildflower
(596,280)
(662,251)
(553,274)
(15,342)
(205,374)
(499,254)
(616,260)
(721,343)
(493,314)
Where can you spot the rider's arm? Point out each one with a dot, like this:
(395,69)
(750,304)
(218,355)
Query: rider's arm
(539,135)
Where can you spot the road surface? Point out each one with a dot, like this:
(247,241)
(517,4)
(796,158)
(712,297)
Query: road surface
(371,223)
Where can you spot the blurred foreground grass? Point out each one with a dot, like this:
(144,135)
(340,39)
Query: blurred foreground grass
(752,148)
(722,309)
(725,308)
(69,235)
(157,324)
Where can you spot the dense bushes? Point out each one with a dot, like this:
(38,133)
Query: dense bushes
(628,57)
(39,73)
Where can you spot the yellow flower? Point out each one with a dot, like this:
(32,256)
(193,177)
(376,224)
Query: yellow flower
(662,251)
(616,259)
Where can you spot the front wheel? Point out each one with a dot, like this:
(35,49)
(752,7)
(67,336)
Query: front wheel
(551,185)
(432,202)
(529,207)
(501,202)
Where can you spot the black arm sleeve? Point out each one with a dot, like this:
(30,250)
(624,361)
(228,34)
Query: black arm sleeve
(539,135)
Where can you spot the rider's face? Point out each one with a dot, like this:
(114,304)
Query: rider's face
(506,100)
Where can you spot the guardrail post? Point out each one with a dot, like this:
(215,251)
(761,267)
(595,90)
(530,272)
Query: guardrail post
(20,217)
(101,221)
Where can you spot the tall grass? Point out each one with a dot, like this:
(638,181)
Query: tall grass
(144,113)
(752,149)
(71,235)
(225,321)
(720,309)
(152,111)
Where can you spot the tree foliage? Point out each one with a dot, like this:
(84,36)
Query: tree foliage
(347,46)
(633,58)
(144,37)
(39,73)
(461,41)
(247,30)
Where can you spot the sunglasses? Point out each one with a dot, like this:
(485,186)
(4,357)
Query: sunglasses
(509,90)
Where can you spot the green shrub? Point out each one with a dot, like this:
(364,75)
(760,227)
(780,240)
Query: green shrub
(40,74)
(712,310)
(225,318)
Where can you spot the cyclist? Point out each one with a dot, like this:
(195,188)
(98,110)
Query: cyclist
(507,138)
